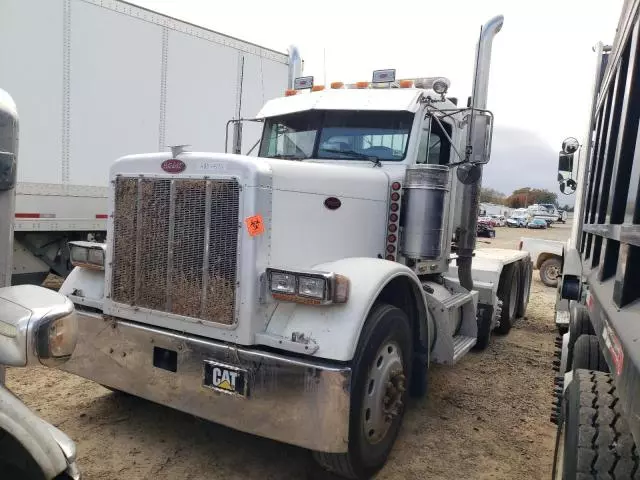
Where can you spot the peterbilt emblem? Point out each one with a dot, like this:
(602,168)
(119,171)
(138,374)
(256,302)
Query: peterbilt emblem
(173,165)
(332,203)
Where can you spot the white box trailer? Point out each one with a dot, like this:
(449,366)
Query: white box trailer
(98,79)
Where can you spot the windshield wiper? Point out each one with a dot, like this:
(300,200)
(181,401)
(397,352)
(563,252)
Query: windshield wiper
(354,154)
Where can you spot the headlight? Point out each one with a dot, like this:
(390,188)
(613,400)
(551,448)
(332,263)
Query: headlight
(88,254)
(56,339)
(311,287)
(282,282)
(315,288)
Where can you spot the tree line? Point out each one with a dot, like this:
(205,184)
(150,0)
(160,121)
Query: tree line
(521,197)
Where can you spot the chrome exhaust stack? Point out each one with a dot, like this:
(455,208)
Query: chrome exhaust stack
(471,192)
(295,65)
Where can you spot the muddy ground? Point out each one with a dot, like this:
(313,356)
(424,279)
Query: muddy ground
(485,418)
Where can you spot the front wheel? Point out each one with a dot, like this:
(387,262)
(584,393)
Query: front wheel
(380,369)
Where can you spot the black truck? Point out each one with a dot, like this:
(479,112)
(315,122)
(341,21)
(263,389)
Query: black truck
(597,385)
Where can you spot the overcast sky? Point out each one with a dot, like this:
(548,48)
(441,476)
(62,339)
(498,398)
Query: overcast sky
(541,72)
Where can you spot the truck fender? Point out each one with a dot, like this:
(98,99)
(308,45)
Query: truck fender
(84,286)
(335,329)
(32,433)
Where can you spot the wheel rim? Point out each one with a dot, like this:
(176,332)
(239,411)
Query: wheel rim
(552,273)
(383,393)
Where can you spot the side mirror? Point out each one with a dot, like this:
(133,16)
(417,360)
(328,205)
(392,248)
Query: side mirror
(568,186)
(482,136)
(565,163)
(570,145)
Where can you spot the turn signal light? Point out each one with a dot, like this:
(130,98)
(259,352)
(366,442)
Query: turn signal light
(406,83)
(362,84)
(337,84)
(317,88)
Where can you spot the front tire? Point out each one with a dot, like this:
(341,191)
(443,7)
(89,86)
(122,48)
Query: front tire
(380,369)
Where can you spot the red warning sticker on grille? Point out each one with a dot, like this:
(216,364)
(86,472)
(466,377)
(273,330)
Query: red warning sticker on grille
(255,225)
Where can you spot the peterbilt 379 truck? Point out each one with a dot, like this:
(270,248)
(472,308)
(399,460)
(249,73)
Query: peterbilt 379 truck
(597,406)
(301,294)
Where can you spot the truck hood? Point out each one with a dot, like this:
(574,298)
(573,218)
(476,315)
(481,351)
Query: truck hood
(346,181)
(322,179)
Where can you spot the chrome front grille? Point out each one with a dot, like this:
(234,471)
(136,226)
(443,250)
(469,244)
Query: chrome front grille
(175,246)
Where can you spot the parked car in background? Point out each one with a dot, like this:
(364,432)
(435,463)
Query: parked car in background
(537,223)
(486,220)
(516,222)
(499,220)
(485,230)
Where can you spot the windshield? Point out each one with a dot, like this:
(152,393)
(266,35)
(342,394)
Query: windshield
(338,135)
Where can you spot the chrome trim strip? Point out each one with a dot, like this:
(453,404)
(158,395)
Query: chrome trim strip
(136,275)
(205,254)
(170,236)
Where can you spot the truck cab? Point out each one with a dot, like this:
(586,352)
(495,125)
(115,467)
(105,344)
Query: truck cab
(301,294)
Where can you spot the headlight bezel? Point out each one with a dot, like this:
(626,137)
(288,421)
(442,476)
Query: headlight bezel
(335,287)
(81,253)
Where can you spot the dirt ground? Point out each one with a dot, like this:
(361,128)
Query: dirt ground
(485,418)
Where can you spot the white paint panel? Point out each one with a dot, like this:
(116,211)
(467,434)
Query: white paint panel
(263,80)
(305,233)
(201,92)
(31,71)
(324,178)
(115,90)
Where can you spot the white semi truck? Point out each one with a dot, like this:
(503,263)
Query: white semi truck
(98,79)
(302,294)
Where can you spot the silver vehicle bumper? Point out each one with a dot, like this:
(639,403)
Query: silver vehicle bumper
(299,401)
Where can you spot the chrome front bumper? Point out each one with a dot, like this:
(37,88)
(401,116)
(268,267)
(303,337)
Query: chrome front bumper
(299,401)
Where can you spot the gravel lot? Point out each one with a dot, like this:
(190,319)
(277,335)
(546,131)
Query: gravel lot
(485,418)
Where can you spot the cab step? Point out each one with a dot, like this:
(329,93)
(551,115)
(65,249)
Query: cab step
(454,310)
(457,300)
(461,345)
